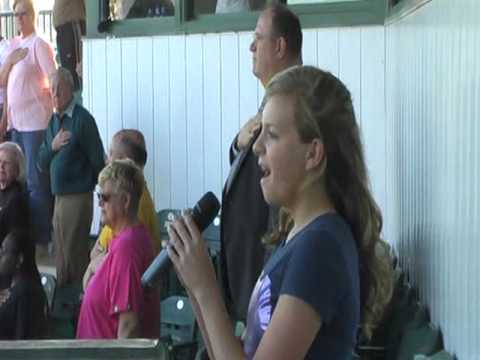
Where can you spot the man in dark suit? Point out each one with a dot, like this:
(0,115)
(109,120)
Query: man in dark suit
(245,216)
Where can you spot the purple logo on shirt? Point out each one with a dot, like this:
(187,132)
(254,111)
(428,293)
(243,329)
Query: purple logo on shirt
(259,315)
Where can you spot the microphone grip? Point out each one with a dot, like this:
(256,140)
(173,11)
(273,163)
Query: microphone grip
(203,214)
(151,275)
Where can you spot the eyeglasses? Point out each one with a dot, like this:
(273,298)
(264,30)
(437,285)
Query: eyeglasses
(20,14)
(103,198)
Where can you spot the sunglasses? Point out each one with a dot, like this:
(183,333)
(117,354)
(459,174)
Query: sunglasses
(20,14)
(102,197)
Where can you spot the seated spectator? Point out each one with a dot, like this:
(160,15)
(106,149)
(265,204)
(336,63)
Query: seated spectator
(122,9)
(23,302)
(231,6)
(13,195)
(127,143)
(115,305)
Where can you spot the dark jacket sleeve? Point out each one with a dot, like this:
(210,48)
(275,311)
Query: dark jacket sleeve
(16,213)
(234,152)
(244,221)
(92,144)
(30,311)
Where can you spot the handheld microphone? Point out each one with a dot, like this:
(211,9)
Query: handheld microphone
(203,214)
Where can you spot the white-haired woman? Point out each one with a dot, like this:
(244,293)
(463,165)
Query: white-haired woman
(22,299)
(13,197)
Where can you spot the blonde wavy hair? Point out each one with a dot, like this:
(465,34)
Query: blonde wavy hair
(324,109)
(30,5)
(125,178)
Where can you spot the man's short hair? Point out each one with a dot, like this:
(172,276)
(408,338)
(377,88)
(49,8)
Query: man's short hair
(62,75)
(132,143)
(287,25)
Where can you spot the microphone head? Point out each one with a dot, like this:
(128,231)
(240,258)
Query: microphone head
(203,214)
(205,210)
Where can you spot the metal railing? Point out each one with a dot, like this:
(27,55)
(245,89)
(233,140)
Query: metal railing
(44,25)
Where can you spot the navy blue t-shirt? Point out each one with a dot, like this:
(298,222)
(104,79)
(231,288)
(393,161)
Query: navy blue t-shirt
(320,266)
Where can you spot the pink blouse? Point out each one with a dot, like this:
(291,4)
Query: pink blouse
(29,102)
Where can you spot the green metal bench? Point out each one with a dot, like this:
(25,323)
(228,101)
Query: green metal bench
(178,327)
(138,349)
(169,283)
(441,355)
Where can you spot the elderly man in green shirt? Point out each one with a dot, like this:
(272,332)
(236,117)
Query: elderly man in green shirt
(73,153)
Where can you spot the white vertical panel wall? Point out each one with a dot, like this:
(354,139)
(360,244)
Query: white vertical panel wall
(433,167)
(189,94)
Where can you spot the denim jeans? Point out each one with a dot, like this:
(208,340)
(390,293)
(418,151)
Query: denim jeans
(38,185)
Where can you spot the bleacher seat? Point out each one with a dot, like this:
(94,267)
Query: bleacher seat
(421,340)
(169,283)
(49,284)
(64,314)
(441,355)
(211,234)
(178,327)
(125,349)
(403,311)
(164,216)
(212,237)
(405,330)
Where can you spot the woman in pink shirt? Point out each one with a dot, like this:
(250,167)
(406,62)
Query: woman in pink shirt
(115,305)
(29,107)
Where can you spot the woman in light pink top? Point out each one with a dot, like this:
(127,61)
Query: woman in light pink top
(29,107)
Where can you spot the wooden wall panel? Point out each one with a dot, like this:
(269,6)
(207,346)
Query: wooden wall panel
(190,94)
(432,132)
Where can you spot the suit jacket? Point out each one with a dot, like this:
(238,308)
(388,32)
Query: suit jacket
(244,221)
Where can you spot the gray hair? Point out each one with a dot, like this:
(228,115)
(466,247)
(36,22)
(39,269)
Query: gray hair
(62,75)
(18,156)
(131,144)
(125,178)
